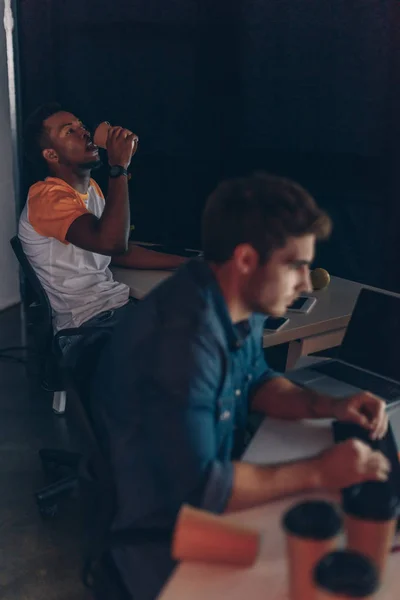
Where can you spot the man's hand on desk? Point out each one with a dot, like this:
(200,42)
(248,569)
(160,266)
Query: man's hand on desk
(350,463)
(347,463)
(138,257)
(282,399)
(364,409)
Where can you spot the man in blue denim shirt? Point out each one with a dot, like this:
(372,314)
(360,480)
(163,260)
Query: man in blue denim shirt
(175,386)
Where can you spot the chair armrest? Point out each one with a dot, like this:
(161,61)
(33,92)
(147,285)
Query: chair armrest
(72,332)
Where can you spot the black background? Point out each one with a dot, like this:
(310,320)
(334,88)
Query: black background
(304,88)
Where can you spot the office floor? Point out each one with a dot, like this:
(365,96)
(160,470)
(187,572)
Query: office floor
(39,559)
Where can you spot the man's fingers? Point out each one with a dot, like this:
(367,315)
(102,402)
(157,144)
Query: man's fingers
(379,426)
(379,432)
(381,476)
(378,463)
(115,132)
(359,418)
(373,413)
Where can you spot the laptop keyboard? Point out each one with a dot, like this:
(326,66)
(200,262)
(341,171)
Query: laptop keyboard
(365,381)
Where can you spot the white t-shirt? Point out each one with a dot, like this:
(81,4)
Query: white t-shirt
(78,283)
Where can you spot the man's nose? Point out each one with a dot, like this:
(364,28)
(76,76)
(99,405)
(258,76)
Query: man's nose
(307,281)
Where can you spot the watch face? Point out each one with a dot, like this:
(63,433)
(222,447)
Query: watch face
(116,170)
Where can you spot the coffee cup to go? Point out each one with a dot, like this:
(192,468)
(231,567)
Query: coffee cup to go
(205,537)
(371,511)
(101,133)
(312,530)
(345,575)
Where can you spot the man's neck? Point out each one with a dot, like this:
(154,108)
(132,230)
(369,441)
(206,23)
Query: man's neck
(230,289)
(79,180)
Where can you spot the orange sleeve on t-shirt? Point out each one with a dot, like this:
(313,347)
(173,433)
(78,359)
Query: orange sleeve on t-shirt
(53,206)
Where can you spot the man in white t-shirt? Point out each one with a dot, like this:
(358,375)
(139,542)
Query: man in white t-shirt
(69,232)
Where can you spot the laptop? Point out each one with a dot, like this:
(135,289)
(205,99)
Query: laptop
(369,357)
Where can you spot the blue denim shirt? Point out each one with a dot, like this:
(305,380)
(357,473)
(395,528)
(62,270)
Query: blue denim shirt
(171,397)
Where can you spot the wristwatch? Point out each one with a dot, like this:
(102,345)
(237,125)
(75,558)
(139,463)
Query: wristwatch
(117,171)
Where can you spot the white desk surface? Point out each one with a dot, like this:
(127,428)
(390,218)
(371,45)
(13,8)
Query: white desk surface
(276,441)
(331,312)
(140,281)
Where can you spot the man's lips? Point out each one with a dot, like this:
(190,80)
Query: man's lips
(92,148)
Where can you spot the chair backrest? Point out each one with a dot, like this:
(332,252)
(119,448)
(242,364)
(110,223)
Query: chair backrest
(39,321)
(40,308)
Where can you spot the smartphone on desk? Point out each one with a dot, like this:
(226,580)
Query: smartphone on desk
(303,304)
(273,324)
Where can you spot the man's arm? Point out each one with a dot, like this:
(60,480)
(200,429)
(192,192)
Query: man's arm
(182,432)
(282,399)
(278,397)
(138,257)
(176,417)
(345,464)
(254,485)
(108,234)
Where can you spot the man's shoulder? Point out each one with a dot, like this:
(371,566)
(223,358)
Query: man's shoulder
(51,186)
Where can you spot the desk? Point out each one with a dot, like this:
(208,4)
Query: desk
(140,281)
(267,579)
(324,327)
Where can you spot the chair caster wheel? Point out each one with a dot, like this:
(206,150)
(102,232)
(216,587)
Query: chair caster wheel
(49,511)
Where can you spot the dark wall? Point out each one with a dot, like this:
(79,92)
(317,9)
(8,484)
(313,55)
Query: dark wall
(307,89)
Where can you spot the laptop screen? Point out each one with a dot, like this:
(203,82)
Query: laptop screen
(373,334)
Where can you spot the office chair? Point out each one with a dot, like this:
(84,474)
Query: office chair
(52,378)
(90,472)
(40,326)
(98,497)
(96,494)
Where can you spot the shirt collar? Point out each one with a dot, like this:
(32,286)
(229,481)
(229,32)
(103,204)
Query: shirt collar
(236,334)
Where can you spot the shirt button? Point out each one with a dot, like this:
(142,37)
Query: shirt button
(225,415)
(238,392)
(249,377)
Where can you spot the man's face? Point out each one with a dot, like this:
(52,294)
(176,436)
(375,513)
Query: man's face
(71,144)
(275,285)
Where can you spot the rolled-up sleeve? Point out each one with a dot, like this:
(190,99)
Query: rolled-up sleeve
(218,488)
(183,432)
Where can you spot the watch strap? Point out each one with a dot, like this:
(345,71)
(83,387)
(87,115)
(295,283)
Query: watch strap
(117,171)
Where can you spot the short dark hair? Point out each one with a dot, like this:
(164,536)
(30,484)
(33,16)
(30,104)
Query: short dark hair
(262,210)
(35,134)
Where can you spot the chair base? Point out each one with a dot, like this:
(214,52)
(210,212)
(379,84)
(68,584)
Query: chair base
(59,402)
(47,498)
(63,485)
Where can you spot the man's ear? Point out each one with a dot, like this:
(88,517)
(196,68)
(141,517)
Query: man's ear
(50,155)
(246,258)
